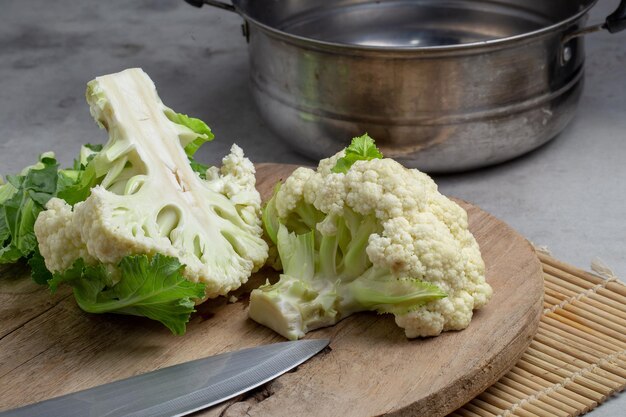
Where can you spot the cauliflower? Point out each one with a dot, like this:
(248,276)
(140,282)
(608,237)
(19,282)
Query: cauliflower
(365,233)
(143,194)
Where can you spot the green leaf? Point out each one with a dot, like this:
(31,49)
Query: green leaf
(42,183)
(25,196)
(204,133)
(15,181)
(38,270)
(198,167)
(362,148)
(67,178)
(94,147)
(75,186)
(87,153)
(150,288)
(21,213)
(5,233)
(31,191)
(86,281)
(6,191)
(9,254)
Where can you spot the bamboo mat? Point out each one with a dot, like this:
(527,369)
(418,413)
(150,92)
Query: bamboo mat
(578,356)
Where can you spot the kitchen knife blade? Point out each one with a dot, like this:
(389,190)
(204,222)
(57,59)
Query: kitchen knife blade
(180,389)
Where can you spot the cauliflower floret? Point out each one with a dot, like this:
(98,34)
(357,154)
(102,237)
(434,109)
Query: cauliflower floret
(375,224)
(293,190)
(234,177)
(63,244)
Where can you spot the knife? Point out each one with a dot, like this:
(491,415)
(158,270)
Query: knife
(180,389)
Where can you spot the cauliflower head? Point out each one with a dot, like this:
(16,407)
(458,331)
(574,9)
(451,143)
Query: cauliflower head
(365,233)
(144,196)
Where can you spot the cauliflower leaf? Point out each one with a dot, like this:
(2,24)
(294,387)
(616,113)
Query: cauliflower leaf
(153,288)
(22,198)
(202,131)
(362,148)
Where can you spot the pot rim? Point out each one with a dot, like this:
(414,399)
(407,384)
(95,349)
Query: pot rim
(462,47)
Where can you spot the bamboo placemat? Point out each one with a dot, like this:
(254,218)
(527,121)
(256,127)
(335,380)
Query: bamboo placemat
(578,356)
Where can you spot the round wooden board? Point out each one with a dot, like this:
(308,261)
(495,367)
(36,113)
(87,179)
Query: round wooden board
(370,368)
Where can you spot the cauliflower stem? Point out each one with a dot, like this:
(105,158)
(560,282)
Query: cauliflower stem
(327,279)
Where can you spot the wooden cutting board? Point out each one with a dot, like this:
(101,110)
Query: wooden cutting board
(49,347)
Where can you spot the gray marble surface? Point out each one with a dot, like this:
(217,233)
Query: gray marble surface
(569,195)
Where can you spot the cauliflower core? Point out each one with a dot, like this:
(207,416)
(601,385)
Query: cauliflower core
(375,237)
(149,200)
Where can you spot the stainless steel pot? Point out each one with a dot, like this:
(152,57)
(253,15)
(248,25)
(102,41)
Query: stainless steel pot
(442,85)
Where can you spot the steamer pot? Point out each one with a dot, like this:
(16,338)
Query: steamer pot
(442,85)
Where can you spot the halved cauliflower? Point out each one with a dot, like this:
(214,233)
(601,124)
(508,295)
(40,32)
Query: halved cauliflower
(145,197)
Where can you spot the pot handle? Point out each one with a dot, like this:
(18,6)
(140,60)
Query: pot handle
(245,30)
(215,3)
(615,22)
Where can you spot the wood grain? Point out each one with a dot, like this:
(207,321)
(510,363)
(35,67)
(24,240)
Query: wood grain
(49,347)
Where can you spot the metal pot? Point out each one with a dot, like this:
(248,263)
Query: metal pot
(441,85)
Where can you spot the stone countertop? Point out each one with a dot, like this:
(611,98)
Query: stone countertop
(567,195)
